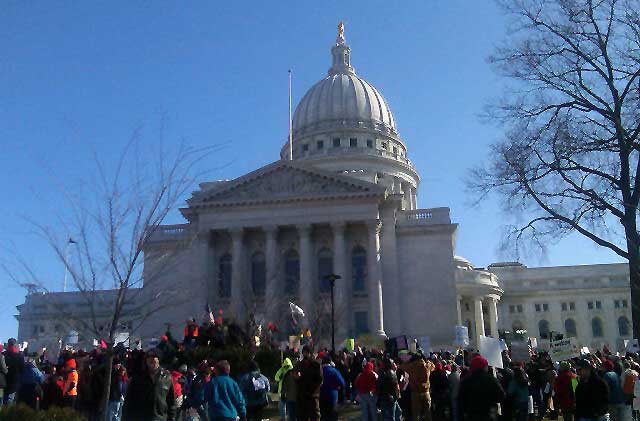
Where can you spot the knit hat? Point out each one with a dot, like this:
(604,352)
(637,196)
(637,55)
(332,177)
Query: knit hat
(478,363)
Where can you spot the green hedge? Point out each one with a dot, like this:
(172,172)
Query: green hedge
(21,412)
(267,358)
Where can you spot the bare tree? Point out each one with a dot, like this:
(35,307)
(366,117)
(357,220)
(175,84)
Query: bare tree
(568,161)
(110,224)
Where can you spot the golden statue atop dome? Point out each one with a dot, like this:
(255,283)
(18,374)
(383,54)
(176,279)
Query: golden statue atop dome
(341,31)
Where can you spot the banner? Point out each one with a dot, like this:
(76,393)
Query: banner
(294,341)
(564,349)
(491,349)
(462,336)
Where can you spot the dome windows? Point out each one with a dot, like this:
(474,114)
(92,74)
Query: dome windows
(353,142)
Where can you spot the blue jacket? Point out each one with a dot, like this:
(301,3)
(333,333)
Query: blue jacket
(31,375)
(331,383)
(616,395)
(224,397)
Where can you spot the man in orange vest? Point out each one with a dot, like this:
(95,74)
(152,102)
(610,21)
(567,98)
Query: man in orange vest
(70,390)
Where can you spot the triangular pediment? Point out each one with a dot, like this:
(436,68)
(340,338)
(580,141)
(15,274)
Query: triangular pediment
(283,181)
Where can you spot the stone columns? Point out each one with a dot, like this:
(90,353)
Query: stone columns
(376,315)
(342,285)
(272,287)
(394,323)
(209,266)
(493,316)
(307,286)
(459,309)
(478,318)
(238,282)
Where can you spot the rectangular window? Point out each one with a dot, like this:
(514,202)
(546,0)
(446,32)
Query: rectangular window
(572,306)
(598,305)
(545,307)
(538,307)
(353,142)
(519,308)
(369,143)
(564,306)
(41,329)
(305,147)
(361,322)
(395,150)
(624,304)
(616,303)
(320,144)
(336,142)
(590,305)
(512,309)
(384,145)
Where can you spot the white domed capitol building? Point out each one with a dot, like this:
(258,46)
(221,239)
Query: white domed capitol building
(342,199)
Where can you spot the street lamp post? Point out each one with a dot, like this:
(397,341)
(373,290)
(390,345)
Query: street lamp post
(332,282)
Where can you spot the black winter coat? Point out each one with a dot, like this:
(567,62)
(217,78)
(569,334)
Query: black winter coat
(592,397)
(15,365)
(150,398)
(479,393)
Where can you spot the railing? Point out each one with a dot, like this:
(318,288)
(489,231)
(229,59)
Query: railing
(169,232)
(433,216)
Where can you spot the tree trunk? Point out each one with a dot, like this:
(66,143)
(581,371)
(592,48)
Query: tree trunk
(634,268)
(104,401)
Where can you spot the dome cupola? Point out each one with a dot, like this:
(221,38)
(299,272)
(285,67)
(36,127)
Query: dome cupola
(343,124)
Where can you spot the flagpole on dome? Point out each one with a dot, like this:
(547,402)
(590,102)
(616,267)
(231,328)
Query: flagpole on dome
(66,259)
(290,122)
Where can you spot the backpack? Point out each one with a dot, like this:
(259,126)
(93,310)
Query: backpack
(257,388)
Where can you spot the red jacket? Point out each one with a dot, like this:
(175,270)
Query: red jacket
(564,397)
(366,381)
(177,387)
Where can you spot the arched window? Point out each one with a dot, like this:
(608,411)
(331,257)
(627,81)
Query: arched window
(291,272)
(543,328)
(570,328)
(517,325)
(596,327)
(258,274)
(224,276)
(325,267)
(623,326)
(359,269)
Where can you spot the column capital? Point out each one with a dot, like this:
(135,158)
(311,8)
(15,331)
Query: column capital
(338,226)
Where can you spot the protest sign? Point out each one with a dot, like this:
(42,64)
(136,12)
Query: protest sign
(123,338)
(425,344)
(350,344)
(413,345)
(564,349)
(71,338)
(402,343)
(533,342)
(491,349)
(503,344)
(462,336)
(520,351)
(294,341)
(631,345)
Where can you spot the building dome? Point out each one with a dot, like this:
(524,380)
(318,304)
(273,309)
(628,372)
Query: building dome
(343,99)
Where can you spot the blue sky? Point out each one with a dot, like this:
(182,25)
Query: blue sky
(81,76)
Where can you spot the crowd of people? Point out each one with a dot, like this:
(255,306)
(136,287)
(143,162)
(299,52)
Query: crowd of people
(158,384)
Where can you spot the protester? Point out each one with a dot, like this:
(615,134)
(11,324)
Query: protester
(518,393)
(440,393)
(196,395)
(480,392)
(117,392)
(30,380)
(365,385)
(332,383)
(3,374)
(223,395)
(71,379)
(255,388)
(15,363)
(286,391)
(150,395)
(388,390)
(618,408)
(308,375)
(52,388)
(419,371)
(592,394)
(564,389)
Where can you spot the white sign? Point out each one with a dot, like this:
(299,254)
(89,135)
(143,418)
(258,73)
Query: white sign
(71,338)
(564,349)
(122,337)
(533,342)
(631,346)
(425,344)
(491,349)
(462,336)
(503,344)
